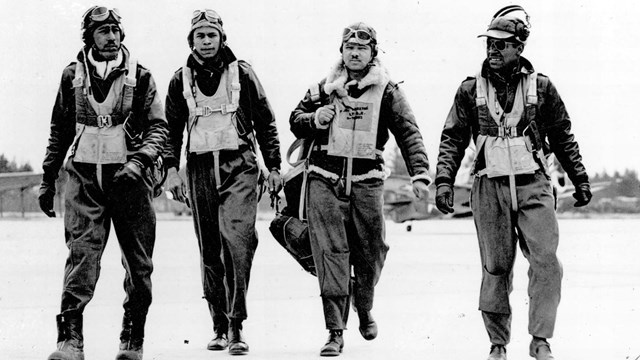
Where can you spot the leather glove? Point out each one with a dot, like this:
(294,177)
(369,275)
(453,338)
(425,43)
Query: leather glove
(444,198)
(45,198)
(420,190)
(129,173)
(582,194)
(274,181)
(176,186)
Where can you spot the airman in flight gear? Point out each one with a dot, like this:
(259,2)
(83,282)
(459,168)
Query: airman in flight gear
(221,102)
(108,111)
(348,116)
(515,116)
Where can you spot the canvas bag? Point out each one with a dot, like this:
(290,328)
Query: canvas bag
(289,227)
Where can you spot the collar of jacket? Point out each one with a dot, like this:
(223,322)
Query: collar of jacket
(117,71)
(217,65)
(338,76)
(524,68)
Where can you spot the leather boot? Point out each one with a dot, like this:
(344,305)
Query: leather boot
(131,339)
(219,342)
(498,352)
(368,327)
(334,344)
(70,341)
(540,349)
(237,344)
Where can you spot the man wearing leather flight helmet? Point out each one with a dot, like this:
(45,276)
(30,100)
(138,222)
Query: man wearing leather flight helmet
(103,97)
(349,115)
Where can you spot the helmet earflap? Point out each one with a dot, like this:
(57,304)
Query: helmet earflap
(521,29)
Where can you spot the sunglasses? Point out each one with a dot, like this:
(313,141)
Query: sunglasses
(359,34)
(499,44)
(208,14)
(101,13)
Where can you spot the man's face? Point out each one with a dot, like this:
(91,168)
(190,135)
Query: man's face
(502,54)
(356,56)
(206,41)
(107,41)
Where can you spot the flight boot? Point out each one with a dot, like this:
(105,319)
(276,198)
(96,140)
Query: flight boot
(70,341)
(131,339)
(334,344)
(498,352)
(237,344)
(368,327)
(540,349)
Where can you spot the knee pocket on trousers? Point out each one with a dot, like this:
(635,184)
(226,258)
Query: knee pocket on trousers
(494,294)
(334,279)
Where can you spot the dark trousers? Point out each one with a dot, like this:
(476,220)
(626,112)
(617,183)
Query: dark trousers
(346,231)
(89,211)
(224,217)
(499,228)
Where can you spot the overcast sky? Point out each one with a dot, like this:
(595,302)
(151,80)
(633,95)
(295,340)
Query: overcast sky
(589,49)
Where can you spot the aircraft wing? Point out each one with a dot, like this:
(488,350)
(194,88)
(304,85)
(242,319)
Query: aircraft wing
(19,180)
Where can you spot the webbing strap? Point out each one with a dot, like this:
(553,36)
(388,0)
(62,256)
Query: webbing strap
(314,92)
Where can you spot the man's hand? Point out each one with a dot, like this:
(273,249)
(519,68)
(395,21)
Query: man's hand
(274,181)
(444,198)
(325,115)
(45,199)
(420,190)
(129,173)
(175,185)
(582,195)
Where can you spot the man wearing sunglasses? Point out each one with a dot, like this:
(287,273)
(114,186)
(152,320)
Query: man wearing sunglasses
(224,108)
(348,115)
(516,118)
(101,94)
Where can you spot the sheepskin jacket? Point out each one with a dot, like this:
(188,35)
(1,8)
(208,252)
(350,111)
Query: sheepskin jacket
(395,116)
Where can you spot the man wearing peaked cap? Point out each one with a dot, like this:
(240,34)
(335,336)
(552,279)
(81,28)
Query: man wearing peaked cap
(516,119)
(108,113)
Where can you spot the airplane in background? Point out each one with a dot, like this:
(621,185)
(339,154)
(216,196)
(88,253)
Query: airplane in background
(18,181)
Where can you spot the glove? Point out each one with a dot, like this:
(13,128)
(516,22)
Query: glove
(176,186)
(45,198)
(444,198)
(274,181)
(582,194)
(420,190)
(129,173)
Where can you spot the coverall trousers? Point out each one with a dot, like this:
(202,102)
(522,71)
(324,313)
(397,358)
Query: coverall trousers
(499,228)
(224,216)
(346,231)
(90,207)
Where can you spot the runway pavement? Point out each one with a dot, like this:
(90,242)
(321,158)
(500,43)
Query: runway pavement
(426,302)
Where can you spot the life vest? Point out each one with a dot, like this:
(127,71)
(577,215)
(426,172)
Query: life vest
(501,135)
(100,133)
(212,124)
(354,130)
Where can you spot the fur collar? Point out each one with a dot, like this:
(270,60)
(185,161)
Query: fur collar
(337,78)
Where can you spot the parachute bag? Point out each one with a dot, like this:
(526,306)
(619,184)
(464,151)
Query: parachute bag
(289,227)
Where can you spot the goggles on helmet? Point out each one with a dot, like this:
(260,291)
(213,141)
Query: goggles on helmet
(207,14)
(101,13)
(361,36)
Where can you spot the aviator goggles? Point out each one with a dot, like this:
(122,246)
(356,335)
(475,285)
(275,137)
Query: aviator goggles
(101,13)
(207,14)
(499,44)
(362,36)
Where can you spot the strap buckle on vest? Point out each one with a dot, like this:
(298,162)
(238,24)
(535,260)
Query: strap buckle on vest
(509,132)
(104,121)
(204,111)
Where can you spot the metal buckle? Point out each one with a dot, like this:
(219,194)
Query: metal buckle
(509,132)
(223,109)
(104,121)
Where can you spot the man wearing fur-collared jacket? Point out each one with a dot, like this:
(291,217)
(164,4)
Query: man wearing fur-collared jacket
(348,115)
